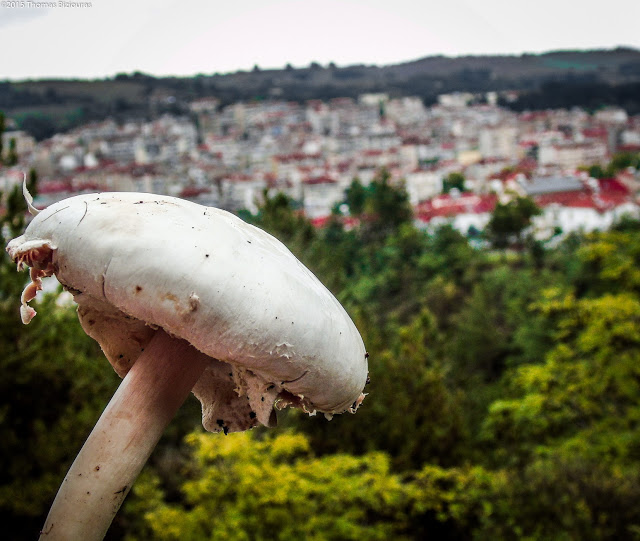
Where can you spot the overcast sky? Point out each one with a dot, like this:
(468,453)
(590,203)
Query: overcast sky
(186,37)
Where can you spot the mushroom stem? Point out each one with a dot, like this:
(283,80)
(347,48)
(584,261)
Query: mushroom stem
(123,438)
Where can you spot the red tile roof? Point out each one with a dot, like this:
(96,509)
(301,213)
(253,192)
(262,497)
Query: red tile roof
(349,222)
(611,193)
(193,191)
(322,179)
(443,206)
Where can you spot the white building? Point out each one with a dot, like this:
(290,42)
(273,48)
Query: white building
(498,142)
(571,155)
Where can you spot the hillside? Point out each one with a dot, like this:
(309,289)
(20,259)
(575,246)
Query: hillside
(605,77)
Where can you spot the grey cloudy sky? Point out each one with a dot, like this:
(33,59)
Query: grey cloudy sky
(185,37)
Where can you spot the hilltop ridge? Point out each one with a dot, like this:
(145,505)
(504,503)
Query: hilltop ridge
(607,77)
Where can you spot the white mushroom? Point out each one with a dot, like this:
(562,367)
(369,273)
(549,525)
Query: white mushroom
(183,297)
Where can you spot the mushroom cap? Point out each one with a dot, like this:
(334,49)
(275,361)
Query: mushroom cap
(138,262)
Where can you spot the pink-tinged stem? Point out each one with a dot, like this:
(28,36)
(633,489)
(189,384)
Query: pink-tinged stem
(122,440)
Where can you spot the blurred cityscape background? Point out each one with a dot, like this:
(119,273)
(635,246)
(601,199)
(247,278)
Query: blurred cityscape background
(460,134)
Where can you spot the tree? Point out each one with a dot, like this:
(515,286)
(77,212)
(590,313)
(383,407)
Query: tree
(453,180)
(2,128)
(622,160)
(39,125)
(12,156)
(387,207)
(355,196)
(244,487)
(510,220)
(570,423)
(277,214)
(596,171)
(581,402)
(619,162)
(607,263)
(548,500)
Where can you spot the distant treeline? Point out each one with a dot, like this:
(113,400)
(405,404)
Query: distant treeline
(588,95)
(589,79)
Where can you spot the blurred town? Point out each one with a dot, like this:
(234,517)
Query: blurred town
(456,158)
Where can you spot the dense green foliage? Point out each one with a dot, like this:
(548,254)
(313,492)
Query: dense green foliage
(504,400)
(273,489)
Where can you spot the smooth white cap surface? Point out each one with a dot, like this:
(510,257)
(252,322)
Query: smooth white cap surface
(135,262)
